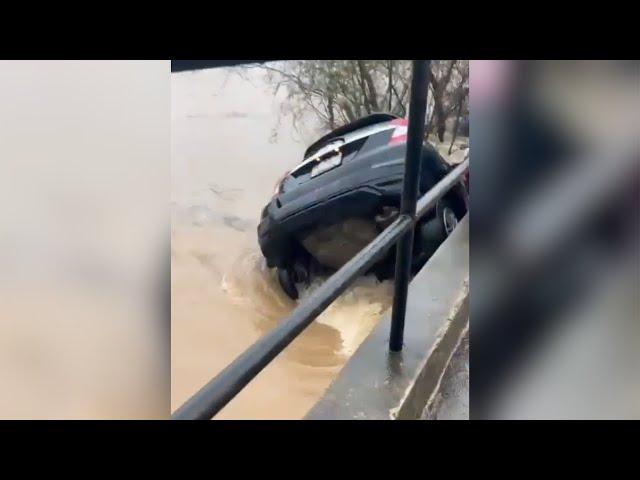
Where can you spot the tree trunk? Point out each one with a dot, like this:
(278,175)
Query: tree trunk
(455,126)
(332,118)
(390,83)
(348,110)
(370,87)
(441,125)
(439,87)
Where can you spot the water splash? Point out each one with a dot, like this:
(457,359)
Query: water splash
(353,315)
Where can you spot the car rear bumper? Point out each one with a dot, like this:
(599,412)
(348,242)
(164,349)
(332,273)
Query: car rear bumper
(277,233)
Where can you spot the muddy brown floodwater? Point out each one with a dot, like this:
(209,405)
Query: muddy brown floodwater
(225,162)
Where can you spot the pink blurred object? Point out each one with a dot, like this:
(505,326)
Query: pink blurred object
(489,80)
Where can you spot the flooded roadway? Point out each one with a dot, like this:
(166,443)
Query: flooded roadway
(225,162)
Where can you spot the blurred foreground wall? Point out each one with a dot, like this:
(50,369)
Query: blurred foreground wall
(84,327)
(555,264)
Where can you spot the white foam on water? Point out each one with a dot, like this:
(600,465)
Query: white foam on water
(356,311)
(353,314)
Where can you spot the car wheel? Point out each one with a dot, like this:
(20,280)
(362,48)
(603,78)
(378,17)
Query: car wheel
(285,278)
(436,230)
(448,217)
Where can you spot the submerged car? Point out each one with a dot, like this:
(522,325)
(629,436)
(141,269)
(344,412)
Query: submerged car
(343,194)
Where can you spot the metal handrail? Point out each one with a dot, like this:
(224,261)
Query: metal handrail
(211,398)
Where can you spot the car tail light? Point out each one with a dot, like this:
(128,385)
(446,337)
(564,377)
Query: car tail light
(399,134)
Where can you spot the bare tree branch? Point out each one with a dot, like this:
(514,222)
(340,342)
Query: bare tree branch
(340,91)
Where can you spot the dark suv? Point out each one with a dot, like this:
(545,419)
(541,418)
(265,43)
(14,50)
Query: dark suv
(343,194)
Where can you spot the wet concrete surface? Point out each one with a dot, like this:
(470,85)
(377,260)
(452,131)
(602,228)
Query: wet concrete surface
(452,400)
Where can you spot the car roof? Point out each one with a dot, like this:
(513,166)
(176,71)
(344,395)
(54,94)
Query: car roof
(363,122)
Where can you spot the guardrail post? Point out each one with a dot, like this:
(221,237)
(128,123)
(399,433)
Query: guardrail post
(404,250)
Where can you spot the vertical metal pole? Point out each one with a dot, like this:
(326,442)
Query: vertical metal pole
(404,250)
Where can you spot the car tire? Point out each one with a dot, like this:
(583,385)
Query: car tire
(448,216)
(287,283)
(436,230)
